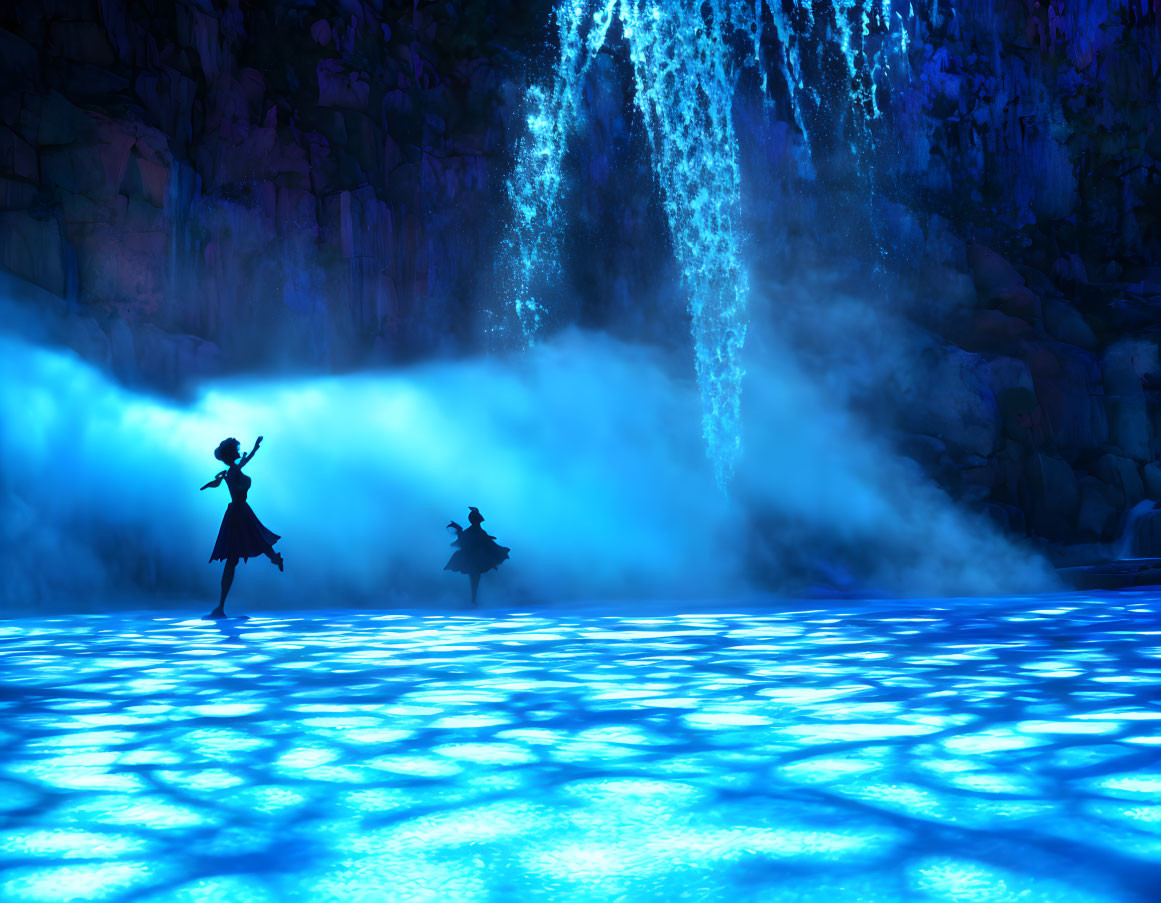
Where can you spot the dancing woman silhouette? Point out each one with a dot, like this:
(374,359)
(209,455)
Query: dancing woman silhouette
(241,534)
(477,551)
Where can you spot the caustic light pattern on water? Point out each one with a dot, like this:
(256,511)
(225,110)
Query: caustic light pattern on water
(685,74)
(945,752)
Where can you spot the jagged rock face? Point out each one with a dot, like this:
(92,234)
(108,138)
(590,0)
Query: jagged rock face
(1040,124)
(314,180)
(216,185)
(333,171)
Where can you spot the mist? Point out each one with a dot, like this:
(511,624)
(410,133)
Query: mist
(584,455)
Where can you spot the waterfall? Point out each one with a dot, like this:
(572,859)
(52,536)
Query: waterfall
(685,69)
(1130,545)
(685,92)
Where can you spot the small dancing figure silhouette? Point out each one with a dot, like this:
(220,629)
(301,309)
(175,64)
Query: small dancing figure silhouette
(241,534)
(476,550)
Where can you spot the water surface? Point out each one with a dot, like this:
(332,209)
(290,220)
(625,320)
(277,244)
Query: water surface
(974,750)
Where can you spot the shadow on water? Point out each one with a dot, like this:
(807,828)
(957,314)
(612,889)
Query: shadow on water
(948,750)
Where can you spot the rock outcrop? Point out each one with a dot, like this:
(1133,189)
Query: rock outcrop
(310,183)
(211,186)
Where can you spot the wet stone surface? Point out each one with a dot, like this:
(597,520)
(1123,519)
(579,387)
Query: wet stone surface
(970,750)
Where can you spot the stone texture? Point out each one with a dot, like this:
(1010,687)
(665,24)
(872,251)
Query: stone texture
(31,249)
(991,273)
(1018,301)
(951,400)
(173,149)
(1124,367)
(1123,479)
(1066,324)
(1146,540)
(1100,514)
(1151,477)
(988,332)
(1068,386)
(1055,496)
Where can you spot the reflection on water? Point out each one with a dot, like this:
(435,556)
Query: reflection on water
(968,752)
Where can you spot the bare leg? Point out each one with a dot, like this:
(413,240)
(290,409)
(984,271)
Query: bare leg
(475,581)
(227,582)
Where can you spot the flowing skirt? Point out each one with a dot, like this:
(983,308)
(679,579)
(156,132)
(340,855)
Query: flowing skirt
(478,558)
(242,535)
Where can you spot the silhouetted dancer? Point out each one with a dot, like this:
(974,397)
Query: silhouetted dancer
(241,534)
(476,550)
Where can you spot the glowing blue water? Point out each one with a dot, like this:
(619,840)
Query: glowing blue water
(940,752)
(685,73)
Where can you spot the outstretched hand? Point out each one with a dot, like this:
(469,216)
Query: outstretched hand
(252,453)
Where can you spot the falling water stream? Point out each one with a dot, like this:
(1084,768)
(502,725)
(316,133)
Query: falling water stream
(685,65)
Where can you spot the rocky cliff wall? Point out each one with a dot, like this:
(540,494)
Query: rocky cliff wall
(210,186)
(222,185)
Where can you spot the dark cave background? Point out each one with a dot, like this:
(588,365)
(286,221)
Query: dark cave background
(196,188)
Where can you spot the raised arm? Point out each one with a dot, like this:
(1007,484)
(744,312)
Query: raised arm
(246,458)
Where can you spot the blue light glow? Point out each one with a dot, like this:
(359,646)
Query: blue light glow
(548,764)
(556,447)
